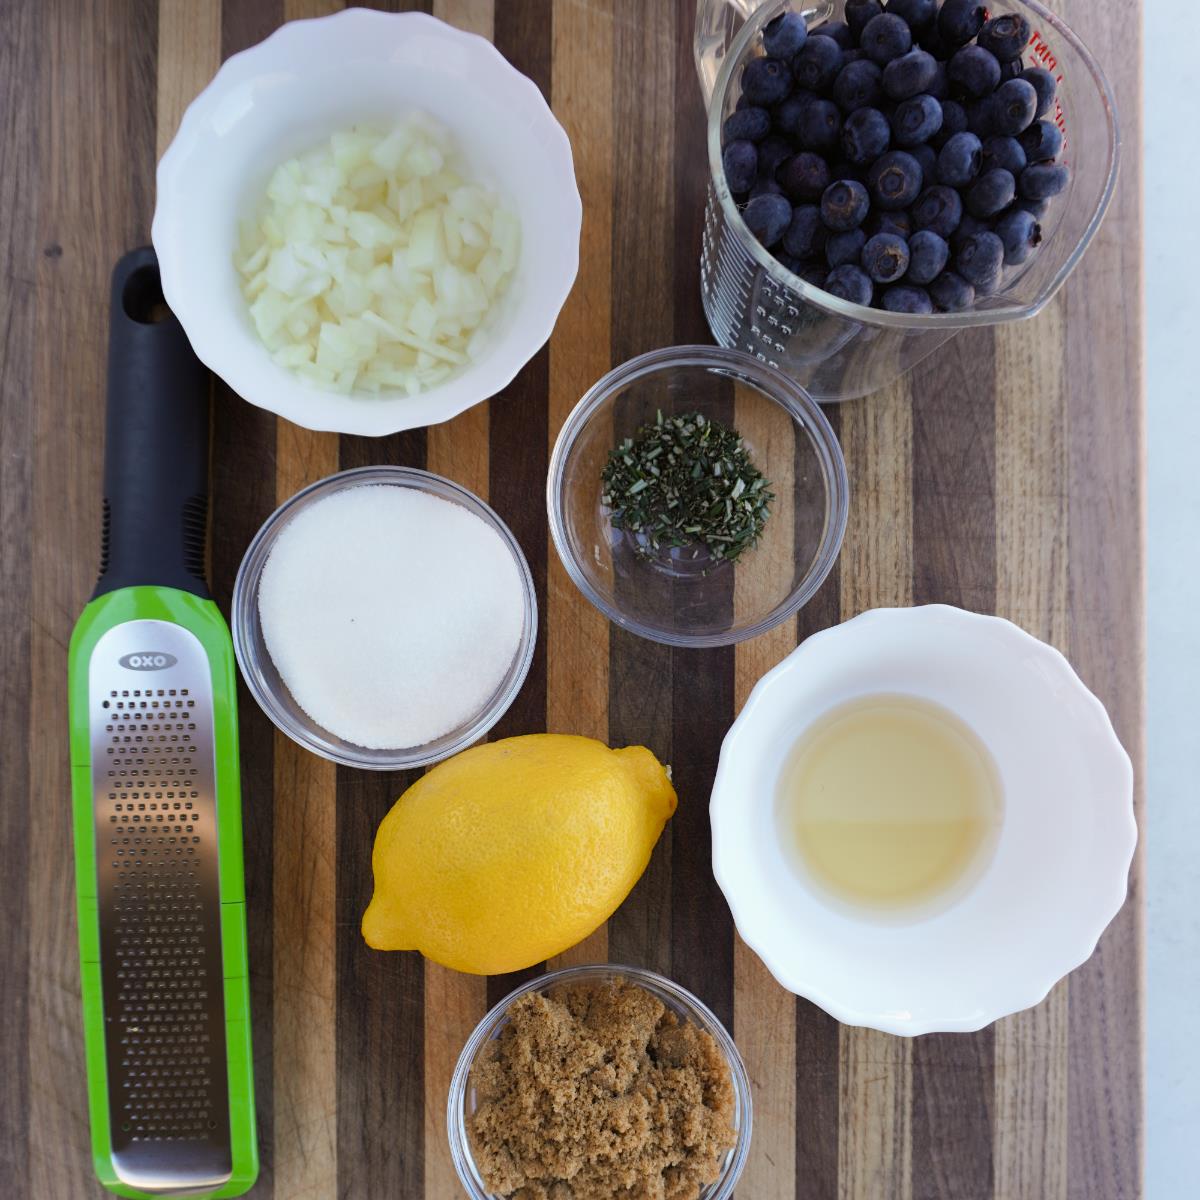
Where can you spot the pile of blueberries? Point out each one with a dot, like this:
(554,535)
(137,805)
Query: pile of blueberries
(900,158)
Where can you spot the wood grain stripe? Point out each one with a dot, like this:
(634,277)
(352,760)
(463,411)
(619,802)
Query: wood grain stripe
(94,108)
(189,53)
(21,187)
(818,1041)
(519,431)
(874,1142)
(243,496)
(305,885)
(765,1013)
(703,680)
(1030,1138)
(577,633)
(640,672)
(1105,586)
(454,1002)
(954,562)
(380,1017)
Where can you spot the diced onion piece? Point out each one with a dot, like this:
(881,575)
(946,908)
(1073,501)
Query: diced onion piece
(374,264)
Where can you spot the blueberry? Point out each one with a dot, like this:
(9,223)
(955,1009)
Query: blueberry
(885,37)
(960,160)
(906,299)
(989,286)
(843,248)
(844,205)
(938,209)
(960,20)
(918,13)
(746,125)
(927,256)
(1042,142)
(767,217)
(788,112)
(866,134)
(805,235)
(1045,85)
(1006,37)
(1005,153)
(743,101)
(854,54)
(1011,69)
(1013,107)
(885,257)
(954,120)
(895,180)
(820,125)
(858,85)
(975,70)
(740,160)
(910,74)
(817,64)
(968,227)
(991,193)
(951,292)
(859,12)
(1039,208)
(916,121)
(899,223)
(1020,233)
(926,155)
(850,283)
(783,36)
(1041,181)
(766,187)
(980,258)
(839,31)
(804,176)
(772,151)
(766,81)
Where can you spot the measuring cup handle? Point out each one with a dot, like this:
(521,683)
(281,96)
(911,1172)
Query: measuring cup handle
(155,440)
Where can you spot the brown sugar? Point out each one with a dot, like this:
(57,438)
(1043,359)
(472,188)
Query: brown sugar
(597,1091)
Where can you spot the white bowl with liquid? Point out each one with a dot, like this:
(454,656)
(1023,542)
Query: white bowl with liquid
(1029,911)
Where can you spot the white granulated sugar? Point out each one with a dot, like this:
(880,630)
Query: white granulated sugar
(391,615)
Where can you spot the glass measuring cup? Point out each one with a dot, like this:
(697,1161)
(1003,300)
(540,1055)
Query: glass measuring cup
(838,350)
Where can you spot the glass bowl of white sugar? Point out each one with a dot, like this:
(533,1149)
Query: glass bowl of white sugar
(384,618)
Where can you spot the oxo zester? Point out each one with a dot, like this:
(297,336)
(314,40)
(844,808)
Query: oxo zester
(155,783)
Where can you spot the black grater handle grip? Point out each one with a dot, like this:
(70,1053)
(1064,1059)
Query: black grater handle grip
(155,441)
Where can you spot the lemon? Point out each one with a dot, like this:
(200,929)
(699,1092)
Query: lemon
(514,851)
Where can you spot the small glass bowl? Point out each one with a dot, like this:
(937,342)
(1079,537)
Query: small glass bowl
(461,1102)
(272,693)
(682,596)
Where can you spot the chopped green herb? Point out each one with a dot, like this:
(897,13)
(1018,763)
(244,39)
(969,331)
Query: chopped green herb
(683,480)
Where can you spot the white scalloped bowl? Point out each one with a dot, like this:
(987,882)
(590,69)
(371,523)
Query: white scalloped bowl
(289,93)
(1061,862)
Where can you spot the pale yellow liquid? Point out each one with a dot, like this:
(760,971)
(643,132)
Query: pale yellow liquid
(890,802)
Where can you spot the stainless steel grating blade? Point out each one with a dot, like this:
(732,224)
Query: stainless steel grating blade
(154,805)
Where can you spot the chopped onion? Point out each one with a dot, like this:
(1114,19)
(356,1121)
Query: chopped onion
(373,264)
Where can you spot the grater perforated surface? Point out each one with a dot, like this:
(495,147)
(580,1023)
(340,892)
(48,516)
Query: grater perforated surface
(155,811)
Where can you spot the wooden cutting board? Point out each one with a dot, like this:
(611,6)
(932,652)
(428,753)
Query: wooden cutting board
(1004,475)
